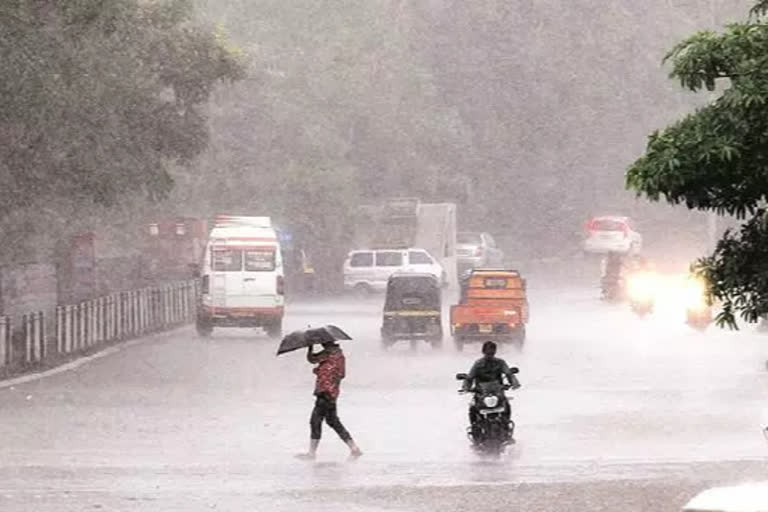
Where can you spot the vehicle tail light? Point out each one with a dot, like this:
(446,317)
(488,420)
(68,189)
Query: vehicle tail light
(280,285)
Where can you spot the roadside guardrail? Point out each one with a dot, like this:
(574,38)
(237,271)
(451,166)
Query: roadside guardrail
(108,319)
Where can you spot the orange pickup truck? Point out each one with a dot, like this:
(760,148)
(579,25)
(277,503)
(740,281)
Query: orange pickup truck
(493,306)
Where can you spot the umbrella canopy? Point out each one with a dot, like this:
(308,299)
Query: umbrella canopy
(309,337)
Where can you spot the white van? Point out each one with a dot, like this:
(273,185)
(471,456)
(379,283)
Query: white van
(242,277)
(367,271)
(748,497)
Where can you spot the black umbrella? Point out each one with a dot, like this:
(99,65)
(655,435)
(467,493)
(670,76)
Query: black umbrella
(309,337)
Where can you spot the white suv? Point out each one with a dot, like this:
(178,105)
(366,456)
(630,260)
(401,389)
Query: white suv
(612,234)
(367,271)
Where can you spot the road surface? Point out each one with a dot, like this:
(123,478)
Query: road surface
(616,413)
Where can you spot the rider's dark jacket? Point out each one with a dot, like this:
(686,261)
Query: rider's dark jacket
(490,370)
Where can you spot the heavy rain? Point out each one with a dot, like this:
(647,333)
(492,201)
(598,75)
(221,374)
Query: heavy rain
(383,256)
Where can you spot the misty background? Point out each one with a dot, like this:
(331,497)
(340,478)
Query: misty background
(525,113)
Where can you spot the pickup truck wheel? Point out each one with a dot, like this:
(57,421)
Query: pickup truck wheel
(518,338)
(275,329)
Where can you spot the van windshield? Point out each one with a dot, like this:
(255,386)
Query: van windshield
(259,260)
(227,260)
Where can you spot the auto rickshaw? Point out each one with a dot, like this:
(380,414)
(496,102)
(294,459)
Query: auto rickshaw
(412,310)
(493,305)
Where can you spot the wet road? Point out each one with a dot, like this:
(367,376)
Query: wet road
(613,410)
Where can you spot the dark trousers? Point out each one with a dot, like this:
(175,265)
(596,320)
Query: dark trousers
(325,409)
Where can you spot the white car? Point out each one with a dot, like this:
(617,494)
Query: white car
(612,234)
(367,271)
(749,497)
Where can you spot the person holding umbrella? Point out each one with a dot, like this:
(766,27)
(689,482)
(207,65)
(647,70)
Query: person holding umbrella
(329,372)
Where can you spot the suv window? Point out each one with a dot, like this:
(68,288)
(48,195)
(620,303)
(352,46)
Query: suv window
(419,258)
(361,259)
(389,259)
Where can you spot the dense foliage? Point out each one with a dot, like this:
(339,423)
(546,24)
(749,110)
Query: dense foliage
(98,98)
(716,159)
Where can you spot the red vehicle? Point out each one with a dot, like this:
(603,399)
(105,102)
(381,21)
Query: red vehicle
(173,248)
(493,305)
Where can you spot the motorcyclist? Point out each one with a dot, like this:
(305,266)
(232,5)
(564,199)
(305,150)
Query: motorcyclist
(489,371)
(610,282)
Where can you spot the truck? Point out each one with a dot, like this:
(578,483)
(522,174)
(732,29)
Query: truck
(406,222)
(493,305)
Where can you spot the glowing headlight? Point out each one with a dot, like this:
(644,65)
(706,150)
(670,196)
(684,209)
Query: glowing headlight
(695,294)
(642,286)
(491,401)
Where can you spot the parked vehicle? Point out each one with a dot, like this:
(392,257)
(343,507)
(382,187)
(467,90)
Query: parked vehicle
(412,310)
(242,277)
(493,305)
(749,497)
(476,250)
(368,271)
(492,428)
(612,234)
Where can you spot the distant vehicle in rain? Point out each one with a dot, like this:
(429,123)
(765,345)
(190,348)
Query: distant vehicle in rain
(493,306)
(368,271)
(412,310)
(403,222)
(476,250)
(608,234)
(242,277)
(748,497)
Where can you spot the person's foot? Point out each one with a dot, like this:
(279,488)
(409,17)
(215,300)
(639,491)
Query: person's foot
(355,453)
(305,456)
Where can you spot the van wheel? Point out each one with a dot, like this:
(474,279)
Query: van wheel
(361,291)
(204,328)
(275,329)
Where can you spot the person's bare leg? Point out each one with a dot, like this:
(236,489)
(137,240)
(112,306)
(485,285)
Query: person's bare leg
(354,450)
(312,453)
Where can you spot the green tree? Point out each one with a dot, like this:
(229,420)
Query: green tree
(100,97)
(716,159)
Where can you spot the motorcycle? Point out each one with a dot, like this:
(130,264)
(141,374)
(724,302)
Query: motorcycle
(698,311)
(491,428)
(612,290)
(698,318)
(641,287)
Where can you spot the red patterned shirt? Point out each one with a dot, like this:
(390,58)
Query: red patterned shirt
(330,370)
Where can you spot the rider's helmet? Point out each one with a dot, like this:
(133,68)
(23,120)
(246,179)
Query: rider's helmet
(489,349)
